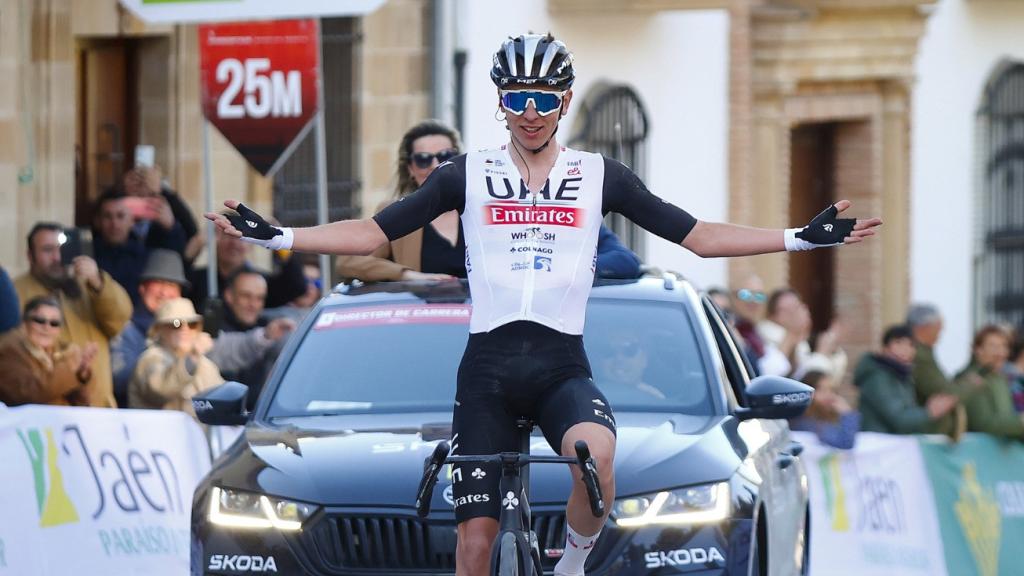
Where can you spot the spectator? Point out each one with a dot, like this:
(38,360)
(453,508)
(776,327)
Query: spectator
(120,249)
(8,303)
(174,366)
(244,298)
(887,399)
(438,250)
(298,308)
(1015,373)
(95,307)
(925,323)
(748,307)
(788,326)
(39,369)
(147,182)
(830,417)
(985,390)
(162,279)
(284,285)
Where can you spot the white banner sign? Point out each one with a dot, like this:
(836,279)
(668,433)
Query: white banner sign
(97,491)
(183,11)
(872,508)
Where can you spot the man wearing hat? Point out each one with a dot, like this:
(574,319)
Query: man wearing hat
(162,279)
(174,367)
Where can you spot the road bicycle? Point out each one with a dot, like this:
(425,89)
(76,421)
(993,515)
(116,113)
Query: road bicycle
(516,551)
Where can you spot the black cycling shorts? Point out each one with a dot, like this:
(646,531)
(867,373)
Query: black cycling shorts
(518,370)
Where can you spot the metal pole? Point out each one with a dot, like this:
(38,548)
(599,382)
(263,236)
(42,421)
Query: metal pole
(211,237)
(321,166)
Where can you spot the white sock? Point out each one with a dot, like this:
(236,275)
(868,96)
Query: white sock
(577,548)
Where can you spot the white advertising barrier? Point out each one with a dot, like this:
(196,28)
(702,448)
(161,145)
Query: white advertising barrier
(872,508)
(97,491)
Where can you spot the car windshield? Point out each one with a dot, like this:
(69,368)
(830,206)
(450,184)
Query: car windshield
(402,357)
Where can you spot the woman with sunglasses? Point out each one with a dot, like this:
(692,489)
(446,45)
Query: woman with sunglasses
(531,211)
(37,367)
(174,367)
(436,251)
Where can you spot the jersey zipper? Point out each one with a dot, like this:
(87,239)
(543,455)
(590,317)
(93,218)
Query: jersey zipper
(531,272)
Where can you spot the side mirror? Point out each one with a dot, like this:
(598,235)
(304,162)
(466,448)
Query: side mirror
(223,405)
(775,398)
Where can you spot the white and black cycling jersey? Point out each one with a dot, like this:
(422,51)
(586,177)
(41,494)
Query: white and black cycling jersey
(531,255)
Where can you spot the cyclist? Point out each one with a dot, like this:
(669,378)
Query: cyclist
(531,210)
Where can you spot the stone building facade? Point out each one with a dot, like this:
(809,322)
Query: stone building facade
(819,110)
(85,80)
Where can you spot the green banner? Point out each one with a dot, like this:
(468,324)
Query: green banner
(979,498)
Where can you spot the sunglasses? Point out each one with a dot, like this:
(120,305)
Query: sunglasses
(544,102)
(177,323)
(44,321)
(425,159)
(751,296)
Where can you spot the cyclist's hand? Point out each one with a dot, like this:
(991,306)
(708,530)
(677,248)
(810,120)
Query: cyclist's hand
(828,230)
(250,227)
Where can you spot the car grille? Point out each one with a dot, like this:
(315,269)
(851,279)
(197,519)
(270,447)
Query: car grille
(346,544)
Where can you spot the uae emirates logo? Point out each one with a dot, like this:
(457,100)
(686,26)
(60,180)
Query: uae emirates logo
(980,521)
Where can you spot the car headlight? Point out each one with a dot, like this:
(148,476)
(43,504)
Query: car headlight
(238,509)
(692,505)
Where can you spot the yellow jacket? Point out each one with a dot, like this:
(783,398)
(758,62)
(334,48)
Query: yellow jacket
(95,317)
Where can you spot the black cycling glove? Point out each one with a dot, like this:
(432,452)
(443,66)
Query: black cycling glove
(256,230)
(824,230)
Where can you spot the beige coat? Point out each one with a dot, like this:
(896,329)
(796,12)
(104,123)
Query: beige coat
(31,376)
(95,317)
(163,381)
(387,263)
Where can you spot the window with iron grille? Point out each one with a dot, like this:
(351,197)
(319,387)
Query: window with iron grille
(999,246)
(613,122)
(295,181)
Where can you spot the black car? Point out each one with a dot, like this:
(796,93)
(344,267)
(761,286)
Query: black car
(323,479)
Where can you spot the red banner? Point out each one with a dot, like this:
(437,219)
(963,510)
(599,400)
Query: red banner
(259,83)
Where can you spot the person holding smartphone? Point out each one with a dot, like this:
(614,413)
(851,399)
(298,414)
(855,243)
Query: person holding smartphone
(94,307)
(120,248)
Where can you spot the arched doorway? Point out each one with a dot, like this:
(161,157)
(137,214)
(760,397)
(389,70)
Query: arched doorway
(613,122)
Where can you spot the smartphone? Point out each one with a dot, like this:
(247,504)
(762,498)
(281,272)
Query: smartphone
(140,208)
(77,242)
(213,316)
(145,156)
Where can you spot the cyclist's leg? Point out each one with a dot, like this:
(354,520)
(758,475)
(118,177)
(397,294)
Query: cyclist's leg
(576,410)
(481,424)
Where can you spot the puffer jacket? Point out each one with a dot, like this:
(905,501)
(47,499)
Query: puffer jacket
(32,377)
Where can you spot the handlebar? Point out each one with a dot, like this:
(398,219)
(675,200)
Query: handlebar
(439,457)
(431,467)
(590,479)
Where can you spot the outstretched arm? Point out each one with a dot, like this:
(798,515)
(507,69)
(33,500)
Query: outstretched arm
(444,190)
(354,237)
(626,194)
(713,239)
